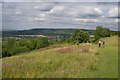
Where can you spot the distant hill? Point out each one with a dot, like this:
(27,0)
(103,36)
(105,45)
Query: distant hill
(41,31)
(8,30)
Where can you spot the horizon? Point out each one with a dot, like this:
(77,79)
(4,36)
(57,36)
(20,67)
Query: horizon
(49,28)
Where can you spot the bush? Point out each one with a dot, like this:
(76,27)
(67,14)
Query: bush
(42,42)
(80,36)
(29,45)
(7,46)
(5,52)
(19,50)
(34,43)
(101,32)
(12,46)
(69,40)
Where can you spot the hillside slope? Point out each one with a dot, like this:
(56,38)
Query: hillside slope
(70,61)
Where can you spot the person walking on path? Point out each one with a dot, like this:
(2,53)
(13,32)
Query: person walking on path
(99,43)
(103,43)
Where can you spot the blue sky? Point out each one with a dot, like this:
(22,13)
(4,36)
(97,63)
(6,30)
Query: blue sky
(83,15)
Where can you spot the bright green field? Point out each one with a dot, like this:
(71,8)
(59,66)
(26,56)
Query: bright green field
(72,61)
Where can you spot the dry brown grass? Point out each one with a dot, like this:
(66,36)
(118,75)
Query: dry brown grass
(83,48)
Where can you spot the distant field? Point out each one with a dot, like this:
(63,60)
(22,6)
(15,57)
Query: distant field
(65,61)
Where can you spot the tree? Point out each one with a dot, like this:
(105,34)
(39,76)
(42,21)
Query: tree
(19,50)
(5,52)
(107,32)
(80,36)
(101,32)
(7,47)
(10,43)
(11,46)
(42,42)
(34,42)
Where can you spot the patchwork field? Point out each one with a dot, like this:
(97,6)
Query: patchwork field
(65,61)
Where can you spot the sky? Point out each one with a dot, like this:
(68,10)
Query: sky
(21,15)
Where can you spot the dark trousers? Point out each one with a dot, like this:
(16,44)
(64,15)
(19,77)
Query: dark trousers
(99,44)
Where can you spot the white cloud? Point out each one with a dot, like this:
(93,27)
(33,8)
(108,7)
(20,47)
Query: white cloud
(36,7)
(117,20)
(58,14)
(57,9)
(98,11)
(60,0)
(87,10)
(39,19)
(86,20)
(46,6)
(42,15)
(49,0)
(18,12)
(113,12)
(70,10)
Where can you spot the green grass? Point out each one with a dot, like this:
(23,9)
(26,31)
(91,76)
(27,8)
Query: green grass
(108,60)
(82,61)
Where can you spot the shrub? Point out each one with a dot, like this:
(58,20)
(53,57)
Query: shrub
(19,50)
(80,36)
(42,42)
(34,43)
(101,32)
(12,46)
(7,46)
(5,52)
(29,45)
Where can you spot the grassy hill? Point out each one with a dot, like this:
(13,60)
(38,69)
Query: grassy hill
(65,61)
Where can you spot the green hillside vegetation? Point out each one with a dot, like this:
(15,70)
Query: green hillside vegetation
(1,48)
(85,60)
(11,47)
